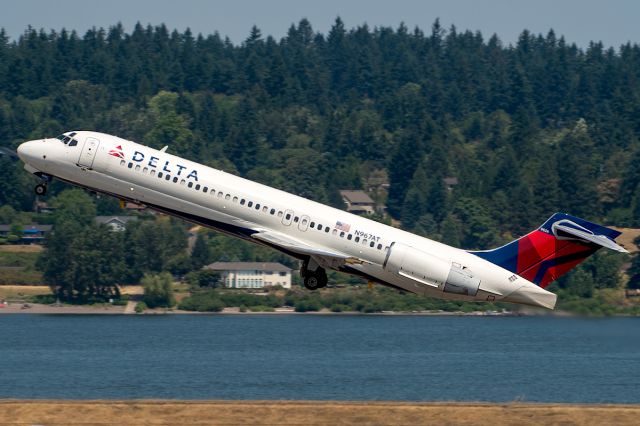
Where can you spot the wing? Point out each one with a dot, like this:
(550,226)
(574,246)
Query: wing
(324,256)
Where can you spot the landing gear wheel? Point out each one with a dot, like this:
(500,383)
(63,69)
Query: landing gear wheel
(314,280)
(41,189)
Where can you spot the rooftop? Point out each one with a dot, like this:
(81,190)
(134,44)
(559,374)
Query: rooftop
(356,196)
(248,266)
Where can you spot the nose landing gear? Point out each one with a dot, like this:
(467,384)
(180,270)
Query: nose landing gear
(41,188)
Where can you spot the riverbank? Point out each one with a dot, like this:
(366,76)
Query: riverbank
(310,413)
(36,308)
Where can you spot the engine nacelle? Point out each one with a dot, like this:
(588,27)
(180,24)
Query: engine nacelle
(430,270)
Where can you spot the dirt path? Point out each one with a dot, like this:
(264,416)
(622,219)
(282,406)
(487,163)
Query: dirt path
(309,413)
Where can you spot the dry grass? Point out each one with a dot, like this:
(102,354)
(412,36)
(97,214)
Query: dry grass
(627,237)
(11,248)
(309,413)
(20,291)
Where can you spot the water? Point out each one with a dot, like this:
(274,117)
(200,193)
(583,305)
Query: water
(311,357)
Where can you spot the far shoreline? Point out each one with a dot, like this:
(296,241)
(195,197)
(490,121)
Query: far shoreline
(43,309)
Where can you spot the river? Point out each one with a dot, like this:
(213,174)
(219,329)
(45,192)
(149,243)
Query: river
(320,357)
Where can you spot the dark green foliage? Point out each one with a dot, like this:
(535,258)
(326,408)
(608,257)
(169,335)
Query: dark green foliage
(204,278)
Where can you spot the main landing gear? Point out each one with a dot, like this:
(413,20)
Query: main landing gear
(313,279)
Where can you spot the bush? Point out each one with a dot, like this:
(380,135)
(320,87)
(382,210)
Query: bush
(158,290)
(202,302)
(307,305)
(140,307)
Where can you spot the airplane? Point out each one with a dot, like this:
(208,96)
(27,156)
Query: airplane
(322,237)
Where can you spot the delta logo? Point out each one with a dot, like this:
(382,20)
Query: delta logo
(117,152)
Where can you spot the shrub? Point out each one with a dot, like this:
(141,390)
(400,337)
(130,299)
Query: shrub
(140,307)
(158,290)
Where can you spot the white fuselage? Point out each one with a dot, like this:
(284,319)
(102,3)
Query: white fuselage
(241,207)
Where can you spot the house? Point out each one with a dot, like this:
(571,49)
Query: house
(450,182)
(117,223)
(42,207)
(30,234)
(358,202)
(252,274)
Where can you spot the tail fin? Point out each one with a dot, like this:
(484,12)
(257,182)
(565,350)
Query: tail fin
(553,249)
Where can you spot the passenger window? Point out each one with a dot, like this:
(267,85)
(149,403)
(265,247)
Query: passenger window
(227,197)
(334,232)
(122,162)
(312,224)
(250,204)
(190,184)
(357,240)
(145,170)
(167,177)
(304,222)
(130,165)
(379,246)
(138,168)
(213,192)
(198,187)
(326,229)
(235,199)
(349,237)
(257,206)
(183,182)
(296,219)
(273,211)
(288,216)
(242,202)
(175,179)
(160,175)
(373,243)
(342,234)
(205,189)
(280,213)
(265,209)
(153,173)
(220,194)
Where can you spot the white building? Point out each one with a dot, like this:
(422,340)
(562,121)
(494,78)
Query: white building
(252,274)
(116,223)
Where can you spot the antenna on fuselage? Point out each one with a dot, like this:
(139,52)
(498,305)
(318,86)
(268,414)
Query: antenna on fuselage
(164,148)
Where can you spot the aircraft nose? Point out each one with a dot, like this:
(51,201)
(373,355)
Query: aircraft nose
(28,151)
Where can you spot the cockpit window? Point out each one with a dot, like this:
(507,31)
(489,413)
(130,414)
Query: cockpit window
(72,134)
(61,137)
(73,142)
(66,140)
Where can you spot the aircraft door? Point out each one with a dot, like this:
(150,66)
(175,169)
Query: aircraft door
(287,218)
(88,153)
(304,223)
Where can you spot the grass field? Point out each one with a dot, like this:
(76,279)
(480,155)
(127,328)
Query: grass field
(309,413)
(20,292)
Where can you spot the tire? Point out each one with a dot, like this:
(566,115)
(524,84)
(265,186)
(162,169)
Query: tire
(314,280)
(41,189)
(311,282)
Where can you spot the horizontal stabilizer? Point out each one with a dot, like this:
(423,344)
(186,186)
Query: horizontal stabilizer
(564,229)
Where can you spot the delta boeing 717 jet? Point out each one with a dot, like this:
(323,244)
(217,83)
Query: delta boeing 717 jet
(320,236)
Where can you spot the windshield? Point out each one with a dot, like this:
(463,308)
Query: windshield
(68,139)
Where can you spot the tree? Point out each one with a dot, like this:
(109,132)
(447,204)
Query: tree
(158,290)
(200,255)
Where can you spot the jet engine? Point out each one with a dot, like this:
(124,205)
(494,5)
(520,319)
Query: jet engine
(430,270)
